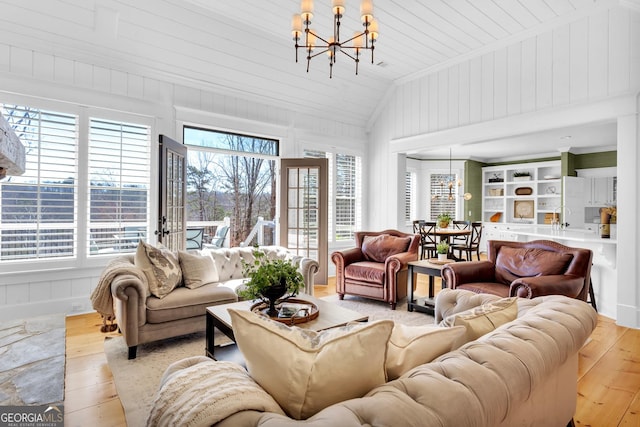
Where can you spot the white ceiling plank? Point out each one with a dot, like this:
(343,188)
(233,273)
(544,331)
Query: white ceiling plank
(540,9)
(518,12)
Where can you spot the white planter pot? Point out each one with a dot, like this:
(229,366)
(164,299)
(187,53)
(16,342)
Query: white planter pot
(442,257)
(522,178)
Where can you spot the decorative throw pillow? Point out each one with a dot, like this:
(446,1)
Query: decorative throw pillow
(514,263)
(379,248)
(161,266)
(411,346)
(306,371)
(197,270)
(484,319)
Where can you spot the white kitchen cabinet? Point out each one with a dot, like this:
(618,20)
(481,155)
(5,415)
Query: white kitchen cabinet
(601,191)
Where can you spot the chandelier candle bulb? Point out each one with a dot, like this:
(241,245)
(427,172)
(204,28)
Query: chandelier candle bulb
(338,7)
(373,30)
(307,10)
(366,10)
(296,26)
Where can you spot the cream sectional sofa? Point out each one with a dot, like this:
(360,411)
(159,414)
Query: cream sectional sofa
(144,318)
(524,373)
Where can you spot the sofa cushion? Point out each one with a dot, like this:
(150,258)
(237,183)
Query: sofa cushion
(514,263)
(161,268)
(411,346)
(197,270)
(307,371)
(481,320)
(183,303)
(379,248)
(365,271)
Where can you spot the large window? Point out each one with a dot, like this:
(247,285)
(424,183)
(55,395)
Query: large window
(345,194)
(39,208)
(118,185)
(231,176)
(40,217)
(444,194)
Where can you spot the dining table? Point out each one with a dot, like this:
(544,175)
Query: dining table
(445,234)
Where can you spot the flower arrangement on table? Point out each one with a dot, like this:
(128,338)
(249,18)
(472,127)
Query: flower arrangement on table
(270,279)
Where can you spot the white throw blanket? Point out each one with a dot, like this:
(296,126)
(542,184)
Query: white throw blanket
(199,391)
(101,298)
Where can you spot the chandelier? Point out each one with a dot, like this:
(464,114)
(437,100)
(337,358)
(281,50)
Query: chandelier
(332,46)
(451,183)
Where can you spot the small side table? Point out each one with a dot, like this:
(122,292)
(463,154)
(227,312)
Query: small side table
(425,305)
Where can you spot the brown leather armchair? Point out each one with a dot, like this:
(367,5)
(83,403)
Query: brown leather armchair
(377,267)
(525,269)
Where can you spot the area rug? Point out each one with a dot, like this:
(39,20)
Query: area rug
(137,380)
(32,361)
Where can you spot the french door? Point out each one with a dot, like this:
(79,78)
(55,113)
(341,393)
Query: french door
(303,210)
(173,189)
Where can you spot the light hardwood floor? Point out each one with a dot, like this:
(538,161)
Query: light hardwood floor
(608,377)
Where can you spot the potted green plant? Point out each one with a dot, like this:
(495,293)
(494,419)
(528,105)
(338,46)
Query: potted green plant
(444,219)
(442,248)
(269,280)
(521,176)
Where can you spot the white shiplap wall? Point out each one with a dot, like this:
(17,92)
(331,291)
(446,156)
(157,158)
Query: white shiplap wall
(586,70)
(42,78)
(592,58)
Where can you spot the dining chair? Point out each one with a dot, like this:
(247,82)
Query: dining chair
(428,239)
(460,240)
(472,243)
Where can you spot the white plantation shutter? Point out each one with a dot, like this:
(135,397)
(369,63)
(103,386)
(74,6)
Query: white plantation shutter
(409,199)
(119,185)
(345,190)
(39,208)
(439,196)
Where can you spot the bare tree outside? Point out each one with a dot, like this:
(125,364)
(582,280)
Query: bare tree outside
(239,183)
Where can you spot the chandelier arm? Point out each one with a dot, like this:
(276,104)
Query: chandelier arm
(318,37)
(352,39)
(318,53)
(349,55)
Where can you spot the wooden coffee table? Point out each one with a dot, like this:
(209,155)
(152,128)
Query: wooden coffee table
(331,316)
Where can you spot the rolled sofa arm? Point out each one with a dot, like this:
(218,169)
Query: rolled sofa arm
(568,285)
(450,302)
(308,268)
(459,273)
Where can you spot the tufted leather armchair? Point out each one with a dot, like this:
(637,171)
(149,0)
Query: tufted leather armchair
(525,269)
(377,267)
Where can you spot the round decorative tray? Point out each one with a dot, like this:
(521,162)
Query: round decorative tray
(438,262)
(294,306)
(524,191)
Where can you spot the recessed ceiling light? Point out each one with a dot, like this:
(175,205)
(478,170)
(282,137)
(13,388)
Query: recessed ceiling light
(566,137)
(382,64)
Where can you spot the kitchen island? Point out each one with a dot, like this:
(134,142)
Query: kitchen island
(604,273)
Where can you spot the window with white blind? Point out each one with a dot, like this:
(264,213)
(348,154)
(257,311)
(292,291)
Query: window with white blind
(409,197)
(39,215)
(442,200)
(39,208)
(345,193)
(118,186)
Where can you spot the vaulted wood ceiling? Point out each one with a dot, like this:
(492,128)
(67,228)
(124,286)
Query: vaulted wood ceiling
(245,47)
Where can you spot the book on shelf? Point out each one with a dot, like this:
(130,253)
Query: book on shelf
(291,309)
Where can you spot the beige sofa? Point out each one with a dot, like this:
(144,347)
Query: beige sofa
(524,373)
(144,318)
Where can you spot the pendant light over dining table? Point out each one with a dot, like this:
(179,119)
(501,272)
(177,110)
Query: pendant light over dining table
(451,183)
(314,45)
